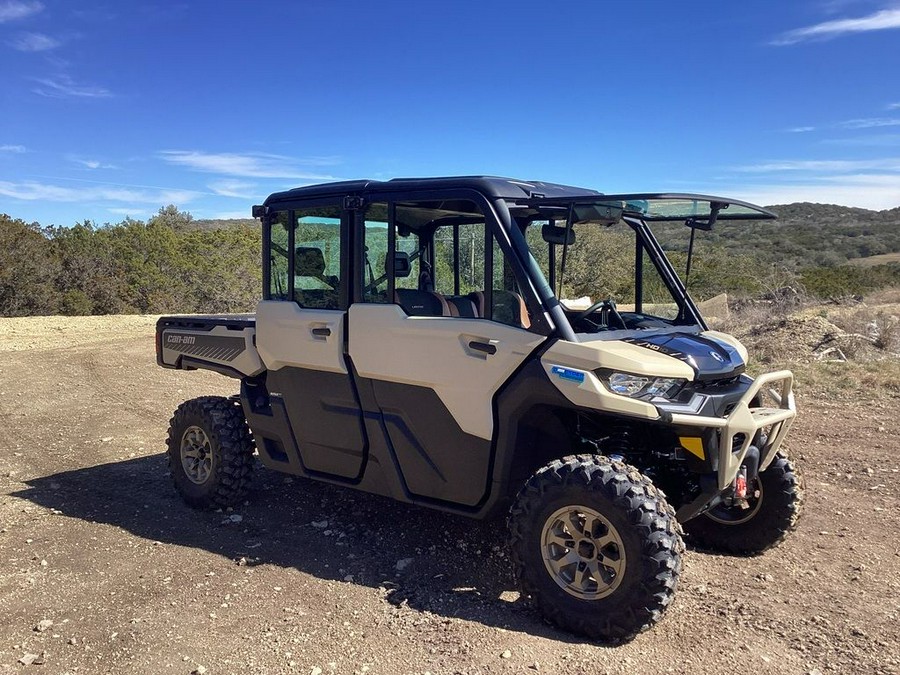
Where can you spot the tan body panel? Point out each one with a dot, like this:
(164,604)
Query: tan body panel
(434,352)
(229,348)
(284,337)
(589,355)
(729,340)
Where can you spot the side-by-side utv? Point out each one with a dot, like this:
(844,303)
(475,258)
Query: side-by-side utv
(488,346)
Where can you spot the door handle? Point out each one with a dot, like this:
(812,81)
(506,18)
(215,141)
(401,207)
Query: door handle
(322,331)
(484,347)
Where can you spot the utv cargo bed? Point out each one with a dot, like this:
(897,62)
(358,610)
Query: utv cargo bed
(225,344)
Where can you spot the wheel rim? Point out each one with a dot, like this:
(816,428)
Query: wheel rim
(734,515)
(583,552)
(196,455)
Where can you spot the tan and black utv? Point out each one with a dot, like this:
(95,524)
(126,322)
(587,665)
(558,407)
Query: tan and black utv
(414,341)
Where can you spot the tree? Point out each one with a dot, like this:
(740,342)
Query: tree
(27,270)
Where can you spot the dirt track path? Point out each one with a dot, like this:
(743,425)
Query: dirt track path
(94,539)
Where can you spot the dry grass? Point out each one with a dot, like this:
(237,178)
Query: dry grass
(866,334)
(872,260)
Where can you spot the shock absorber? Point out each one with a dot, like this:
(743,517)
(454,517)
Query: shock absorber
(620,441)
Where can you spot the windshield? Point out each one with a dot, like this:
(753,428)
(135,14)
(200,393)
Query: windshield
(610,269)
(605,265)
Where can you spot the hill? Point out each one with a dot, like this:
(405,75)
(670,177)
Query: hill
(805,235)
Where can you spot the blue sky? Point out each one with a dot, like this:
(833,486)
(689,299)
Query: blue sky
(110,109)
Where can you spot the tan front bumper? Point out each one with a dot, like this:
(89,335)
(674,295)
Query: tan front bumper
(747,420)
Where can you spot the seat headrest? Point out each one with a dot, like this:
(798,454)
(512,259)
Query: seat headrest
(309,262)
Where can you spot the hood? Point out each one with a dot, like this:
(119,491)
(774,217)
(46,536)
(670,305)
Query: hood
(710,359)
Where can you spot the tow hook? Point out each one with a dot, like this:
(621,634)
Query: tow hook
(739,487)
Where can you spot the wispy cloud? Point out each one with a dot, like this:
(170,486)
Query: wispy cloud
(34,42)
(248,165)
(14,149)
(98,192)
(126,211)
(882,20)
(800,130)
(869,123)
(63,86)
(870,141)
(11,10)
(823,166)
(90,163)
(893,106)
(234,188)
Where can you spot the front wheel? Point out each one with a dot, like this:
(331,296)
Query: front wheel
(210,452)
(763,522)
(596,546)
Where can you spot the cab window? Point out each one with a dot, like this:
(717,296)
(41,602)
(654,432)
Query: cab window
(305,257)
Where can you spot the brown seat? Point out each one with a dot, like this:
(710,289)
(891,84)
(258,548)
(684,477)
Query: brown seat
(509,307)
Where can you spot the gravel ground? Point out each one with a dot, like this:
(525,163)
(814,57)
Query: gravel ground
(105,570)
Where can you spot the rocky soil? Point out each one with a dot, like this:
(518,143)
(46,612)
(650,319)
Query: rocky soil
(103,569)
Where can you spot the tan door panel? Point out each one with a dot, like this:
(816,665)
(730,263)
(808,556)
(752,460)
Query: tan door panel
(465,361)
(289,335)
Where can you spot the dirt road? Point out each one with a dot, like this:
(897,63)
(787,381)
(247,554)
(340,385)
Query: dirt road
(103,569)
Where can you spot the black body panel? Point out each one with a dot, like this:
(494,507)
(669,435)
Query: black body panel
(207,321)
(710,359)
(325,415)
(436,459)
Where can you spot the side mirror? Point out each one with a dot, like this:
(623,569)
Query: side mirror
(402,266)
(555,234)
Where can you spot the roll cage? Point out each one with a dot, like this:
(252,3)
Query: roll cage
(508,208)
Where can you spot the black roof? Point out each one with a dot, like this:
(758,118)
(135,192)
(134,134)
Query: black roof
(491,186)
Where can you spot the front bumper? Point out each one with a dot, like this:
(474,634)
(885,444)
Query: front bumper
(737,431)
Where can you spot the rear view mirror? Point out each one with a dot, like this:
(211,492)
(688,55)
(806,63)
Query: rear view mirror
(555,234)
(598,214)
(402,266)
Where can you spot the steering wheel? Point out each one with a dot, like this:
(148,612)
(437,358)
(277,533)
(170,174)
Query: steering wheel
(609,310)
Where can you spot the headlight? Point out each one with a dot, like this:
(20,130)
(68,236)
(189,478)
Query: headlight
(640,386)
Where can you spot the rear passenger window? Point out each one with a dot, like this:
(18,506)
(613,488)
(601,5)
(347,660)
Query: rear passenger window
(436,258)
(317,257)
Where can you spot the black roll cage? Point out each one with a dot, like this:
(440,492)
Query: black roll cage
(548,315)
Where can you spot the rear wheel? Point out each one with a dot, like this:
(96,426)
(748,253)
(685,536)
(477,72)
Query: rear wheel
(596,546)
(770,514)
(210,452)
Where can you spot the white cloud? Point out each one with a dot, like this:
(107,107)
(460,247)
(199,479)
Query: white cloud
(64,86)
(15,149)
(11,10)
(800,130)
(129,212)
(874,141)
(882,20)
(870,123)
(823,166)
(34,191)
(92,164)
(234,188)
(247,165)
(893,106)
(34,42)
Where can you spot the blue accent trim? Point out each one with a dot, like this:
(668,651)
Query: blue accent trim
(568,374)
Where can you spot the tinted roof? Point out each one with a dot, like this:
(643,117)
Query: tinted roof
(492,186)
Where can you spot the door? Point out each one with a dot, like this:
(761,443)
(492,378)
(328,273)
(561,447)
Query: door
(300,336)
(436,359)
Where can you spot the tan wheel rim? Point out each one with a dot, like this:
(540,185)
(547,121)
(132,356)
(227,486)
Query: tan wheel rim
(196,455)
(583,552)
